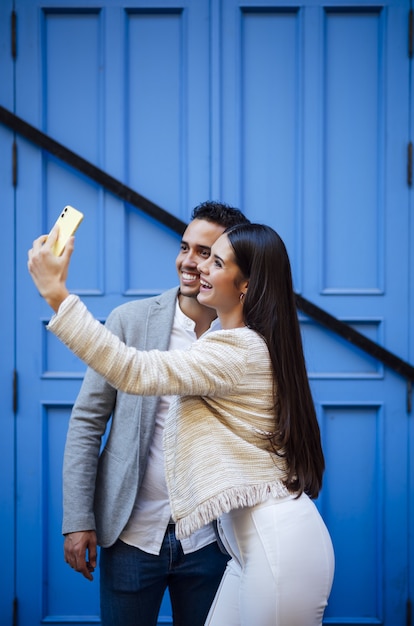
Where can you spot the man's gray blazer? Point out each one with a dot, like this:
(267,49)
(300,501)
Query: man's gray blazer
(99,491)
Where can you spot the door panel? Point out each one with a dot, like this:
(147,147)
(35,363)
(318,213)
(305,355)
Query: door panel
(300,116)
(101,109)
(410,343)
(7,330)
(315,107)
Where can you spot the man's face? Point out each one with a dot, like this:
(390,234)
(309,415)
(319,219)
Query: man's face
(195,247)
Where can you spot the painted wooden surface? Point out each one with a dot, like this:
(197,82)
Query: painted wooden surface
(299,115)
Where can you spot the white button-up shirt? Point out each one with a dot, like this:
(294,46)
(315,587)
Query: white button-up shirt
(151,513)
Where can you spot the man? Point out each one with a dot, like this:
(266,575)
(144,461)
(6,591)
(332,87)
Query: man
(118,499)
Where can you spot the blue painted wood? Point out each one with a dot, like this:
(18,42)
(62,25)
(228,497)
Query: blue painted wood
(299,115)
(320,170)
(7,334)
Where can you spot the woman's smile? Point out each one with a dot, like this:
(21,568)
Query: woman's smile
(204,285)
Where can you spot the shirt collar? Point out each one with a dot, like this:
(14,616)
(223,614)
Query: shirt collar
(186,322)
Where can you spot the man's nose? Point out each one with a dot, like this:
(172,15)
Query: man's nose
(192,257)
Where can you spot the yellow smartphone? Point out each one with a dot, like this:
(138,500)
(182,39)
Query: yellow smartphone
(68,221)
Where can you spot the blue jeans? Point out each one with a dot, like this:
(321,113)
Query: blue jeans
(133,582)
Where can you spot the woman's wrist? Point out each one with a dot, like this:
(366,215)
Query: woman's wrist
(55,298)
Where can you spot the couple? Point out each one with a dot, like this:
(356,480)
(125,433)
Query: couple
(241,440)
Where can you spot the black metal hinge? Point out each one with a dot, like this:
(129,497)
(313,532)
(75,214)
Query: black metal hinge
(14,612)
(410,56)
(13,27)
(15,391)
(14,164)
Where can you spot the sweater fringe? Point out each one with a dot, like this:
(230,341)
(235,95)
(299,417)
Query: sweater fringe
(234,498)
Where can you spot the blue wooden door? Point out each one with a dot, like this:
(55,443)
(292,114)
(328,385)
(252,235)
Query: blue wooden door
(7,335)
(316,118)
(299,115)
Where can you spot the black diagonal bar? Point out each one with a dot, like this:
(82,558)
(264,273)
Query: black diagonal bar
(150,208)
(99,176)
(357,339)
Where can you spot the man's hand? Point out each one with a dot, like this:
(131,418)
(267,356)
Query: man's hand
(76,547)
(48,271)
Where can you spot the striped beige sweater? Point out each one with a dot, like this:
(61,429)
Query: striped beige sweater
(217,457)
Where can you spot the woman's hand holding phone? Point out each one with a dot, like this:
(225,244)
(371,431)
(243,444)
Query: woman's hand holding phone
(49,270)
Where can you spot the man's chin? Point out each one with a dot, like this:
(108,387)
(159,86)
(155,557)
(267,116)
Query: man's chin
(189,292)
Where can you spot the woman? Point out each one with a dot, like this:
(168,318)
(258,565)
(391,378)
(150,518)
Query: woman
(242,442)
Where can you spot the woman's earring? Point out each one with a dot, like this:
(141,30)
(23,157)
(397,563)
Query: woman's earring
(241,297)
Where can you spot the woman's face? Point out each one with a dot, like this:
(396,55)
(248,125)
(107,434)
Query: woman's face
(221,281)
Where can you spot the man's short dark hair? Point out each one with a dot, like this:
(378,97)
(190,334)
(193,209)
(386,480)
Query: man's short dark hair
(219,213)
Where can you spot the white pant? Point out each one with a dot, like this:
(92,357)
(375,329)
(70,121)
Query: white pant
(281,569)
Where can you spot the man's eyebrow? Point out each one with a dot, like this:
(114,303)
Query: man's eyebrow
(197,245)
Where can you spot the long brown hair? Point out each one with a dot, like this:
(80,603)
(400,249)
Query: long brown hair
(269,308)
